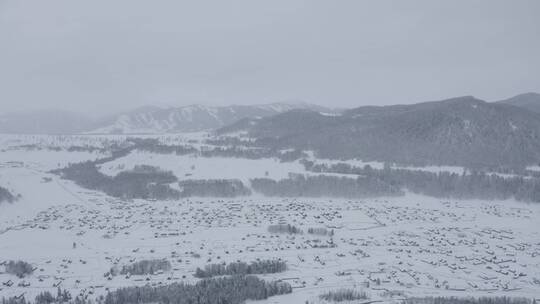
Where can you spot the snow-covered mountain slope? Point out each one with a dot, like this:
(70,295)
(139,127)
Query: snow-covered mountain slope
(191,118)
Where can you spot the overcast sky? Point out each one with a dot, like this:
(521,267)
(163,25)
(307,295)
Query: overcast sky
(105,55)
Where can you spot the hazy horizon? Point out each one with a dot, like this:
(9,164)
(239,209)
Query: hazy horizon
(101,57)
(113,113)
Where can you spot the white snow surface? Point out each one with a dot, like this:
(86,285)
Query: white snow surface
(196,167)
(414,244)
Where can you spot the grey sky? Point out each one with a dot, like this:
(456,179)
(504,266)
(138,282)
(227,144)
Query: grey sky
(104,55)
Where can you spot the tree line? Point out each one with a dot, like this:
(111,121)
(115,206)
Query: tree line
(241,268)
(284,228)
(472,185)
(145,182)
(325,186)
(213,188)
(230,290)
(143,267)
(342,295)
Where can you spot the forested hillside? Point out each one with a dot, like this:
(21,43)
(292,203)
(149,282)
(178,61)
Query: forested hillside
(461,131)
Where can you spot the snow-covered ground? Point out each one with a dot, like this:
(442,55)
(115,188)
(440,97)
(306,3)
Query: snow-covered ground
(413,245)
(46,159)
(195,167)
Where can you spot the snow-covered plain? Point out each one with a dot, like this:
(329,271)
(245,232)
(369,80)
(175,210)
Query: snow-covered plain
(406,246)
(196,167)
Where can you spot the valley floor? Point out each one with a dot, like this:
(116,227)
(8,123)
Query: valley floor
(389,247)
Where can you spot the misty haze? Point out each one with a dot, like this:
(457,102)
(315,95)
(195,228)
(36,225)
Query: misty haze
(229,152)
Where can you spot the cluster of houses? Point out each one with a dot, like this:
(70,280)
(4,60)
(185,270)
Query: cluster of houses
(404,248)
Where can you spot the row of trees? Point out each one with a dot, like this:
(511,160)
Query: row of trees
(46,297)
(213,188)
(473,185)
(165,149)
(235,147)
(73,148)
(144,182)
(149,182)
(241,268)
(284,228)
(325,186)
(62,296)
(230,290)
(222,147)
(342,295)
(144,267)
(321,231)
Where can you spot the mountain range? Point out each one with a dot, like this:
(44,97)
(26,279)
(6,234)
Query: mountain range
(143,120)
(462,131)
(192,118)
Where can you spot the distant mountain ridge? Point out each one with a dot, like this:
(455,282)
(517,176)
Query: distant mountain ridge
(192,118)
(143,120)
(529,101)
(462,131)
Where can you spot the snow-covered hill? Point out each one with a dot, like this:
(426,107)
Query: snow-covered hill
(143,120)
(191,118)
(461,131)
